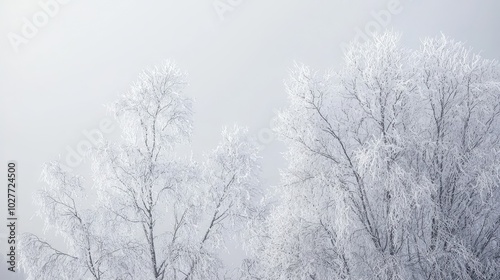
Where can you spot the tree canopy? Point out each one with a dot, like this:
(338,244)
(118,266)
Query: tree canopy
(393,168)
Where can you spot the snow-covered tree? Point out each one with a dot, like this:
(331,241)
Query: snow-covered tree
(393,168)
(89,253)
(157,214)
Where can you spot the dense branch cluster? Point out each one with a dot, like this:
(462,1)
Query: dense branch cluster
(393,168)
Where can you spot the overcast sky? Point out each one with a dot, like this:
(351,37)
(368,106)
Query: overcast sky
(54,85)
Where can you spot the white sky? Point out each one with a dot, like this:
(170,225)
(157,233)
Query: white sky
(55,86)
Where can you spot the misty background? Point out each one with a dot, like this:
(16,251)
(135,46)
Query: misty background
(54,86)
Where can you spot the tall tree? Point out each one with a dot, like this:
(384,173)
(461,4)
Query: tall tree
(157,215)
(393,168)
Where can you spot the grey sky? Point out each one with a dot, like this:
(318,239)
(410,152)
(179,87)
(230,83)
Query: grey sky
(55,86)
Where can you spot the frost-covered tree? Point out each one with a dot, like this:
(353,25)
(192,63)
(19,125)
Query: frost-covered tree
(156,214)
(90,253)
(393,168)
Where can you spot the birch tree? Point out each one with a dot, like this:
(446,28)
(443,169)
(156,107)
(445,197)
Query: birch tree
(157,214)
(392,168)
(90,254)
